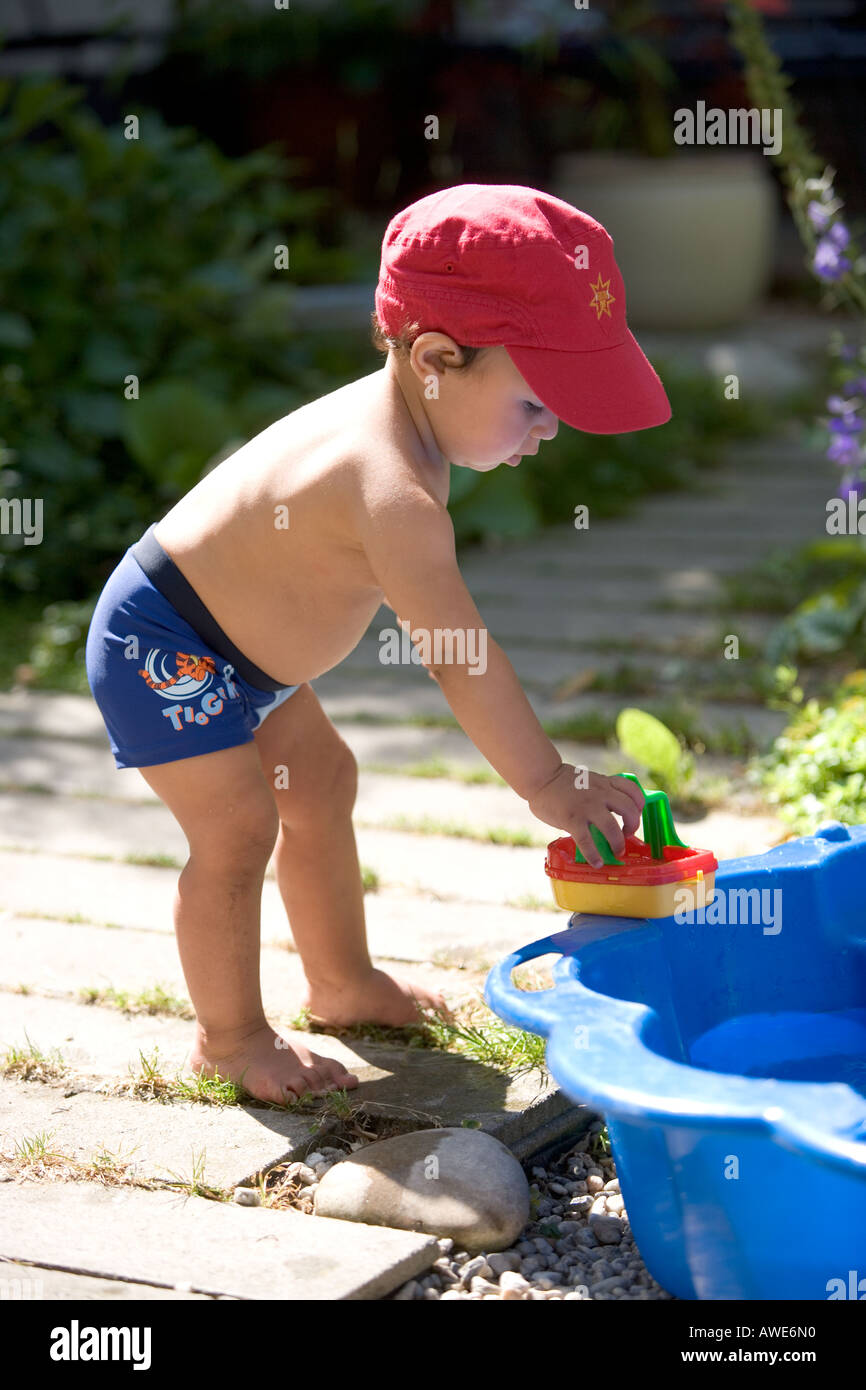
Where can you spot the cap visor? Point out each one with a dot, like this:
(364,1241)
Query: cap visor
(606,391)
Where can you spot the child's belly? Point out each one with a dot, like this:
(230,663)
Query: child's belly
(296,616)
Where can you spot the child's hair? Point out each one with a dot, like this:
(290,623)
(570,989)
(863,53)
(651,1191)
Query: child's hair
(401,345)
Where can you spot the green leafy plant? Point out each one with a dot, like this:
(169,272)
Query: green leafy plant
(652,745)
(816,769)
(144,329)
(632,110)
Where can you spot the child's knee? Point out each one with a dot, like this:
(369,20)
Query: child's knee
(238,840)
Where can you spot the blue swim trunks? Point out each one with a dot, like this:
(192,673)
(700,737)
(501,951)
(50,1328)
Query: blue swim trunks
(168,681)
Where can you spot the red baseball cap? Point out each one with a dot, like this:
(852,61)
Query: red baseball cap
(504,265)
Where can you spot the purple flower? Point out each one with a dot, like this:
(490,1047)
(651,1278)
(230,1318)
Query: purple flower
(818,216)
(849,423)
(848,352)
(839,235)
(828,263)
(844,450)
(846,420)
(855,387)
(851,483)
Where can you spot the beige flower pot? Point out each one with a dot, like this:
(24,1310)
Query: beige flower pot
(693,234)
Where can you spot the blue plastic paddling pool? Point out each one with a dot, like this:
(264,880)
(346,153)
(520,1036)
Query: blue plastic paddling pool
(726,1049)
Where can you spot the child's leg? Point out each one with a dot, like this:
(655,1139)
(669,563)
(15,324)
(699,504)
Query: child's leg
(225,808)
(318,872)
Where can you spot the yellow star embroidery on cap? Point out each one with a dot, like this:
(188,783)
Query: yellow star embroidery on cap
(602,298)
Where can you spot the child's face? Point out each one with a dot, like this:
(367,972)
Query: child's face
(484,415)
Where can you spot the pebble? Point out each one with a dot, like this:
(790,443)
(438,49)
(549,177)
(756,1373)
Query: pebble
(247,1197)
(484,1286)
(452,1181)
(513,1283)
(301,1174)
(606,1229)
(615,1204)
(478,1266)
(407,1291)
(594,1182)
(502,1261)
(612,1186)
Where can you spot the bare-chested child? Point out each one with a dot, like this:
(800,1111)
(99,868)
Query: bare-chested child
(502,311)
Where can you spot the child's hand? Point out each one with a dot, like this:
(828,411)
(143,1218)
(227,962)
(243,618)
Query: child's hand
(567,808)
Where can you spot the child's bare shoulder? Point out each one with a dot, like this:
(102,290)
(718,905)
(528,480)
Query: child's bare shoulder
(378,454)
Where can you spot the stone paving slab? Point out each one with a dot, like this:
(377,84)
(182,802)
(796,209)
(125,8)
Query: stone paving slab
(99,1045)
(206,1247)
(700,527)
(427,863)
(400,926)
(61,958)
(383,698)
(228,1145)
(77,717)
(56,1286)
(383,798)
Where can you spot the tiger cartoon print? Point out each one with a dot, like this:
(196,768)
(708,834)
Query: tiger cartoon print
(188,664)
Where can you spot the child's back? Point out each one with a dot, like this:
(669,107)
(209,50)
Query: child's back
(271,540)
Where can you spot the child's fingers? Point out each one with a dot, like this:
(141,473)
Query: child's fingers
(586,844)
(629,789)
(625,806)
(611,831)
(631,816)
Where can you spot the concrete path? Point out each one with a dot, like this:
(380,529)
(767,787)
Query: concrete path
(89,861)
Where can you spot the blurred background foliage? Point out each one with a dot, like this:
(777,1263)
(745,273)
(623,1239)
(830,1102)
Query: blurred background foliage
(153,259)
(150,258)
(164,272)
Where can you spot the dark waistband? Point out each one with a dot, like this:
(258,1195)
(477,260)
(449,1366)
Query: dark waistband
(165,576)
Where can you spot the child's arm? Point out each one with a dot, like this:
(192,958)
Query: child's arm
(409,542)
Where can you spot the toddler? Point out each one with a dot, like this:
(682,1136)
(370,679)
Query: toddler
(502,311)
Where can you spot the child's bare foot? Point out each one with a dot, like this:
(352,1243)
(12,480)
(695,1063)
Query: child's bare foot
(269,1067)
(374,998)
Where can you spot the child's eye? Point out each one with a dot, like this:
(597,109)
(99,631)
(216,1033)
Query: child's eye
(533,408)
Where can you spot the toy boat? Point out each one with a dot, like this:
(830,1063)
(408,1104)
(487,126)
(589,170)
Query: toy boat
(658,875)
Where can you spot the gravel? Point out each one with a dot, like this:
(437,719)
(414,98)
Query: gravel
(593,1256)
(578,1245)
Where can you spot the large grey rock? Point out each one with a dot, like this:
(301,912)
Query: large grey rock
(459,1183)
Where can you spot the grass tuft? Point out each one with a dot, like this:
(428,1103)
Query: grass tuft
(155,1000)
(30,1063)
